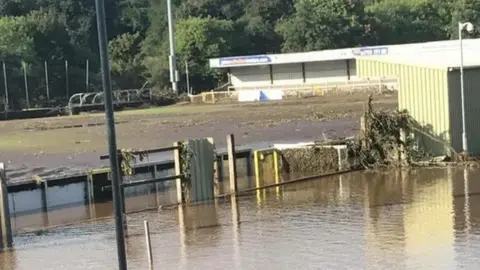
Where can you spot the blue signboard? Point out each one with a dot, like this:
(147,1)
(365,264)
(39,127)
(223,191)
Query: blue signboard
(370,51)
(245,60)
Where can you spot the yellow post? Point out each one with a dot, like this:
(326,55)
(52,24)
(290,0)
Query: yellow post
(275,166)
(178,171)
(257,168)
(276,170)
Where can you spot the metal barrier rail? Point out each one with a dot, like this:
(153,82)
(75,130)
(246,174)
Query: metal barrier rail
(258,156)
(339,84)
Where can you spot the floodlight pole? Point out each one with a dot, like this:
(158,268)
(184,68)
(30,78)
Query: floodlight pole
(171,39)
(469,27)
(112,141)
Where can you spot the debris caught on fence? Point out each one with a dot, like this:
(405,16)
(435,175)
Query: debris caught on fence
(386,140)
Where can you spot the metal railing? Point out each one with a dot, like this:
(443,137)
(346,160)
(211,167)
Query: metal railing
(351,84)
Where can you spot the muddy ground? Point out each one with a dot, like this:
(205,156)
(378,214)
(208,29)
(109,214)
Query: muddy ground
(65,144)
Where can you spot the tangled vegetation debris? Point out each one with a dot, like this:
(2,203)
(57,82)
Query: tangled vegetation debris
(128,157)
(310,161)
(186,155)
(386,140)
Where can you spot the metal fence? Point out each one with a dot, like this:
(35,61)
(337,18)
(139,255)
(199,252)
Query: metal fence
(292,91)
(31,85)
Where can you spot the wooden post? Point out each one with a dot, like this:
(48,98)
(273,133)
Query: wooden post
(6,240)
(148,244)
(178,171)
(232,163)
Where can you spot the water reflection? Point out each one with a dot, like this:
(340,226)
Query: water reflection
(418,219)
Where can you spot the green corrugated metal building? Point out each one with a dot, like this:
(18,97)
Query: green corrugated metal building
(429,88)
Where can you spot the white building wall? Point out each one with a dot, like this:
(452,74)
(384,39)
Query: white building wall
(287,74)
(328,71)
(250,76)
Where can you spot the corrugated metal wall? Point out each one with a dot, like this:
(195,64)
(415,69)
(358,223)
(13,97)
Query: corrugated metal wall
(472,109)
(353,68)
(201,168)
(287,74)
(329,71)
(250,76)
(423,92)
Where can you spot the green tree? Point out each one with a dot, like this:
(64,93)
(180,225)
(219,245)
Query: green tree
(197,40)
(16,44)
(407,21)
(465,11)
(126,62)
(319,24)
(15,38)
(258,23)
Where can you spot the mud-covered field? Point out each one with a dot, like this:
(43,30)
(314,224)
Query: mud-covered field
(50,145)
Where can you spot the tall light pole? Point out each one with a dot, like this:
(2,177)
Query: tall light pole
(469,27)
(171,57)
(112,141)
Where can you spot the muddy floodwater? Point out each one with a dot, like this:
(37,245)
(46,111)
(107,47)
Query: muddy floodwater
(422,219)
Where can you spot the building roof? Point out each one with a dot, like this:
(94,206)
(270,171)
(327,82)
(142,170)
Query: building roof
(438,57)
(410,52)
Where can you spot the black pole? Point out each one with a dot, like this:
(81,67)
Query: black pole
(112,141)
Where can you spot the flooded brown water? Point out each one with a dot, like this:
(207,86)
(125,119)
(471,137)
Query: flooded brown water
(422,219)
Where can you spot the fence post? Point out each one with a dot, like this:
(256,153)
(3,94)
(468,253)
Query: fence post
(256,162)
(122,195)
(27,97)
(232,163)
(275,166)
(148,244)
(47,86)
(7,102)
(6,240)
(178,171)
(66,79)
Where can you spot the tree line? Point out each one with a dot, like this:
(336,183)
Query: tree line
(55,31)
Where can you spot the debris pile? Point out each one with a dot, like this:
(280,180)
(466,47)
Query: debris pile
(310,161)
(386,140)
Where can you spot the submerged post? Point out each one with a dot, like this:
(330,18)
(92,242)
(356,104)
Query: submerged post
(178,171)
(6,240)
(112,140)
(148,244)
(275,166)
(232,163)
